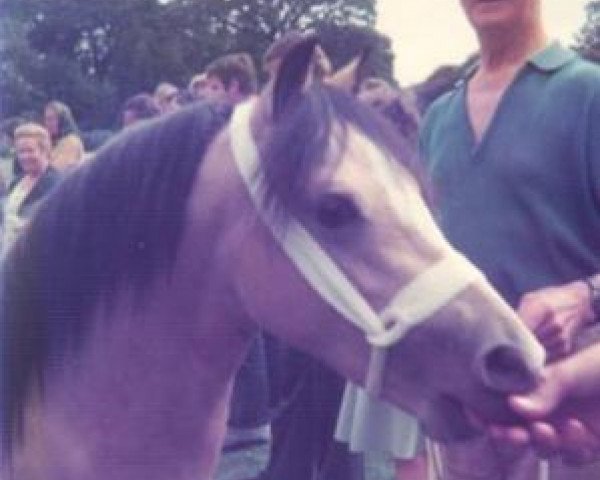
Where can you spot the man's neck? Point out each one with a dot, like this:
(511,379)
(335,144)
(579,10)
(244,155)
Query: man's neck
(509,49)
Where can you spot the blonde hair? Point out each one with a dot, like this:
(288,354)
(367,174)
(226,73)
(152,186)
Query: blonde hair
(37,132)
(196,80)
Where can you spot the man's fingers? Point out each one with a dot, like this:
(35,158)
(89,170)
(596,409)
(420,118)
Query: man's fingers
(548,330)
(533,313)
(579,445)
(514,436)
(559,349)
(545,439)
(531,407)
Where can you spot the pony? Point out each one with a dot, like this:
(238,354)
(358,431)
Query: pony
(130,300)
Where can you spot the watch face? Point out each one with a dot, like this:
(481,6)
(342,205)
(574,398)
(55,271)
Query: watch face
(594,284)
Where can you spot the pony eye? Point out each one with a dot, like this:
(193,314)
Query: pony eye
(336,210)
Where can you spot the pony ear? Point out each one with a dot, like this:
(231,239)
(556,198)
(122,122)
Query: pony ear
(349,77)
(293,75)
(322,63)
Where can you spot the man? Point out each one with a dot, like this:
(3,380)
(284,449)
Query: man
(137,108)
(514,155)
(166,96)
(33,147)
(197,86)
(230,78)
(305,395)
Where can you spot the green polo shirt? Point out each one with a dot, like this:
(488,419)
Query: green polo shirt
(524,203)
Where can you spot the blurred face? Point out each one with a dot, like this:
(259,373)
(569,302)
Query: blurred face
(215,90)
(31,156)
(51,121)
(484,14)
(172,102)
(168,101)
(199,88)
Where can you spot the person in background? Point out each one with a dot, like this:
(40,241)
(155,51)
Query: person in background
(166,96)
(395,104)
(305,395)
(366,424)
(514,156)
(9,167)
(137,108)
(67,147)
(230,79)
(197,86)
(33,149)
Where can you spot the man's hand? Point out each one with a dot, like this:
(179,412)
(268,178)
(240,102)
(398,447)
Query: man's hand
(556,315)
(561,415)
(570,432)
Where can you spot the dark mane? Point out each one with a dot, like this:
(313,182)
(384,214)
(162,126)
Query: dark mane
(303,135)
(117,219)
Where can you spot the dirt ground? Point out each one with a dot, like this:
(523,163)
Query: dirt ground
(244,464)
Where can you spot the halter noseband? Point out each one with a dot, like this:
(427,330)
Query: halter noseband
(412,304)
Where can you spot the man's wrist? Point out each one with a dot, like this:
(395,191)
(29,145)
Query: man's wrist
(593,285)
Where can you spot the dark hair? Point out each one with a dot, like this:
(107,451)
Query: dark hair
(235,66)
(283,45)
(143,105)
(66,121)
(396,104)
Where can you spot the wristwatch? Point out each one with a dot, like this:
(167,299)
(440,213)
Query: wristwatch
(593,283)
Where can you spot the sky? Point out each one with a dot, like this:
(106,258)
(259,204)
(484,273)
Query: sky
(428,33)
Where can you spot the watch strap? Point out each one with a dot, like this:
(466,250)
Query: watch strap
(593,284)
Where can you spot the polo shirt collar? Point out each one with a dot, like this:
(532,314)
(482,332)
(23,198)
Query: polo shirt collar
(552,58)
(549,59)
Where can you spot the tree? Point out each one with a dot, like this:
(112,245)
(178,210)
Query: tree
(588,39)
(343,42)
(17,67)
(94,54)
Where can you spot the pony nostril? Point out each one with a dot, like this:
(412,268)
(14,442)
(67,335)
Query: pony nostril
(504,368)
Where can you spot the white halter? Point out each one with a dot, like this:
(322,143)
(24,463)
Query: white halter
(415,302)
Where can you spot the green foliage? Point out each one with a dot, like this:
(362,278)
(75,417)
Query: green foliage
(344,42)
(94,54)
(18,94)
(588,39)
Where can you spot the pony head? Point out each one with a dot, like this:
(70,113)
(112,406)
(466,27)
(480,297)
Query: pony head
(340,193)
